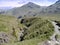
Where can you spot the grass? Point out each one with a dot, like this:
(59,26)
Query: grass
(50,16)
(39,29)
(34,41)
(7,23)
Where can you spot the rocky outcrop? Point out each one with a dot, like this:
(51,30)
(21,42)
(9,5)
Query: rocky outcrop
(4,38)
(21,35)
(54,38)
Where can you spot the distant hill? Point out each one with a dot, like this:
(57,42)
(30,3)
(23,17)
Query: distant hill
(27,9)
(4,9)
(32,9)
(55,8)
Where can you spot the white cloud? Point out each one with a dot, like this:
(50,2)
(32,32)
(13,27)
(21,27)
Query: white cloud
(8,4)
(18,3)
(45,3)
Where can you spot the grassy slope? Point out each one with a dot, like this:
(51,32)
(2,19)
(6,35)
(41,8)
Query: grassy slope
(7,23)
(45,26)
(37,25)
(34,41)
(50,16)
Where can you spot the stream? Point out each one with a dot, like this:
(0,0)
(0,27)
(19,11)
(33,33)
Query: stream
(53,40)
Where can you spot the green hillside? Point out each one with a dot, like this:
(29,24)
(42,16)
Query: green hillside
(10,27)
(38,27)
(30,24)
(37,30)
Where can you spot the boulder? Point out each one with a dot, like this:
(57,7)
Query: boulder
(4,38)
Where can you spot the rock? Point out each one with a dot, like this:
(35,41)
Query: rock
(4,37)
(22,21)
(22,34)
(47,43)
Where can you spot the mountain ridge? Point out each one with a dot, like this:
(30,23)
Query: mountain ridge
(29,8)
(32,9)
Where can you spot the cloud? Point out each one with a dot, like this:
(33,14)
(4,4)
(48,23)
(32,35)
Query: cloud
(52,0)
(11,3)
(45,2)
(18,3)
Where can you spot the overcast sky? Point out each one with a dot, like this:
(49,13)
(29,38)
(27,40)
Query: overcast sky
(18,3)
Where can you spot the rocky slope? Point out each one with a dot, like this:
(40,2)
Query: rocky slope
(32,9)
(27,9)
(55,8)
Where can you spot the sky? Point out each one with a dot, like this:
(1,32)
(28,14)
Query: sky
(18,3)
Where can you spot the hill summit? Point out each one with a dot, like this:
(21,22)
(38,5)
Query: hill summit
(32,9)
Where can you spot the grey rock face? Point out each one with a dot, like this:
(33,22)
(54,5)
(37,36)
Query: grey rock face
(4,37)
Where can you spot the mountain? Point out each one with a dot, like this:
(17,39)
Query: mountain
(54,8)
(4,9)
(27,9)
(32,9)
